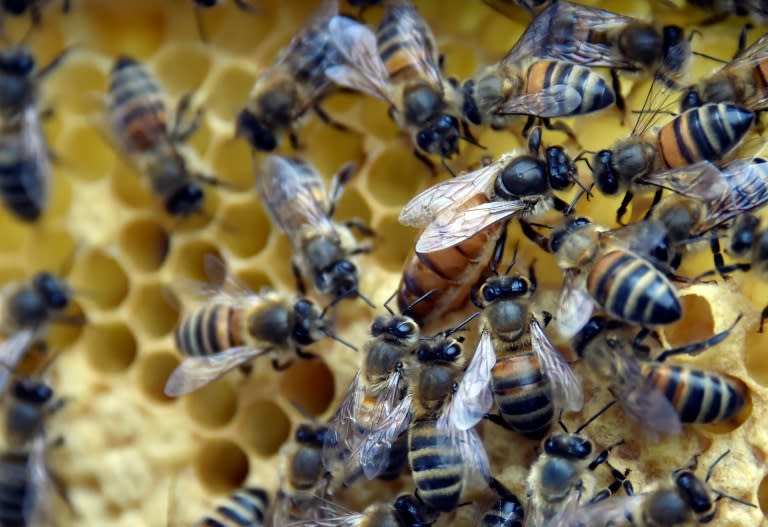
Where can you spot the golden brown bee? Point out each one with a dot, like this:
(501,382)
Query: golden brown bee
(658,395)
(610,268)
(399,64)
(295,197)
(406,511)
(443,447)
(453,211)
(531,381)
(292,85)
(25,170)
(246,506)
(139,128)
(237,325)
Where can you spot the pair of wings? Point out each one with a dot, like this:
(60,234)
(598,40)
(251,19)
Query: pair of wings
(441,209)
(743,64)
(195,372)
(363,69)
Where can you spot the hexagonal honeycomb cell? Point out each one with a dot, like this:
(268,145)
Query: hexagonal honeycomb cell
(134,456)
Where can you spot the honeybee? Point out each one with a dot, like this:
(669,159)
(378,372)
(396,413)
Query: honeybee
(610,268)
(294,195)
(139,129)
(658,395)
(741,81)
(443,447)
(530,379)
(597,38)
(247,506)
(27,486)
(506,511)
(370,423)
(406,511)
(562,473)
(237,325)
(292,85)
(400,65)
(682,500)
(454,211)
(25,170)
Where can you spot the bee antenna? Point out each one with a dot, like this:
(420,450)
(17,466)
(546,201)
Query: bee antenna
(417,301)
(388,300)
(471,140)
(514,258)
(366,300)
(711,468)
(462,325)
(340,340)
(445,165)
(721,495)
(708,57)
(598,414)
(561,423)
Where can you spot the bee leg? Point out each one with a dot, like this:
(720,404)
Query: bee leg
(53,65)
(696,348)
(248,7)
(338,184)
(539,239)
(743,39)
(500,489)
(528,125)
(562,127)
(620,103)
(294,139)
(602,457)
(327,119)
(306,355)
(180,132)
(622,210)
(620,479)
(281,366)
(637,343)
(359,225)
(424,159)
(300,286)
(656,199)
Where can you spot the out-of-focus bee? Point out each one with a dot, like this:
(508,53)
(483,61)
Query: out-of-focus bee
(455,210)
(506,511)
(562,474)
(368,429)
(237,325)
(742,81)
(25,170)
(598,38)
(530,379)
(27,486)
(706,133)
(609,268)
(139,128)
(247,506)
(681,501)
(757,10)
(406,511)
(33,7)
(28,308)
(400,65)
(294,195)
(444,450)
(292,85)
(658,395)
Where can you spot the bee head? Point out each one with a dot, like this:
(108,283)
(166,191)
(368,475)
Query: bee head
(504,287)
(53,291)
(603,173)
(258,135)
(398,327)
(340,279)
(185,200)
(469,108)
(16,61)
(307,319)
(444,350)
(568,446)
(690,99)
(695,493)
(560,168)
(676,48)
(311,435)
(32,391)
(410,510)
(441,136)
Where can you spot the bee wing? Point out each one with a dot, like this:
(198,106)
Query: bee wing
(294,195)
(342,428)
(575,307)
(222,286)
(454,227)
(612,511)
(566,385)
(554,101)
(37,506)
(638,237)
(12,350)
(474,397)
(449,195)
(362,68)
(35,149)
(309,38)
(325,513)
(374,452)
(195,372)
(752,56)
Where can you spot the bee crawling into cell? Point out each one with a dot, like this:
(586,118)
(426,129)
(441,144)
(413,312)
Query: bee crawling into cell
(237,325)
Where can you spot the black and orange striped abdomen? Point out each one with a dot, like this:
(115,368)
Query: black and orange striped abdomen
(595,93)
(405,45)
(698,396)
(706,133)
(631,288)
(211,329)
(246,506)
(436,465)
(523,394)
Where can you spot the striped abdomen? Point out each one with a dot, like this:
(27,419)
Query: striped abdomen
(595,93)
(698,396)
(450,272)
(630,288)
(14,491)
(523,394)
(708,132)
(211,329)
(310,57)
(403,36)
(246,507)
(23,180)
(136,106)
(436,465)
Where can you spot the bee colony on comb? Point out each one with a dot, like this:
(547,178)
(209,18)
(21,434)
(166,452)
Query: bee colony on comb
(154,322)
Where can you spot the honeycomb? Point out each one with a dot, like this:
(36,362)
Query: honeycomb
(133,456)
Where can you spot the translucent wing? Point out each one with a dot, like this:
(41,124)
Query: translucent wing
(638,237)
(450,195)
(294,195)
(453,227)
(309,39)
(195,372)
(612,511)
(222,287)
(340,438)
(575,307)
(474,397)
(465,442)
(566,386)
(35,150)
(375,449)
(326,513)
(752,56)
(362,68)
(37,506)
(556,101)
(12,350)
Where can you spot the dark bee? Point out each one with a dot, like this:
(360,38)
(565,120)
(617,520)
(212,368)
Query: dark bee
(138,126)
(247,506)
(33,7)
(295,197)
